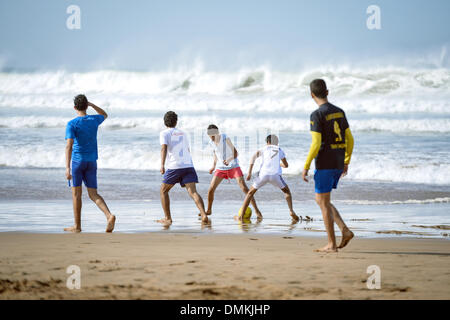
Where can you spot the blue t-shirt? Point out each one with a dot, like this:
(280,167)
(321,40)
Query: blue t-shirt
(83,130)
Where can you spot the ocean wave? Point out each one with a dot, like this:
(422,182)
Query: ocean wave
(399,168)
(254,105)
(389,167)
(410,201)
(342,80)
(287,124)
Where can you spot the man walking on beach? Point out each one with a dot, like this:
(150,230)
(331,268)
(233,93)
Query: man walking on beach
(82,154)
(332,147)
(175,151)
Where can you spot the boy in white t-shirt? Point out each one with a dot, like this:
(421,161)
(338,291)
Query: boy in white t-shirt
(273,158)
(176,154)
(226,166)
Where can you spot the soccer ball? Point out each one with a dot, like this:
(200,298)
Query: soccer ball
(247,214)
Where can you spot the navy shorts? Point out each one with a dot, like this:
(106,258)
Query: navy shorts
(326,179)
(182,176)
(84,171)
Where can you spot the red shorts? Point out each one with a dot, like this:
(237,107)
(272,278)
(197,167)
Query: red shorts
(229,174)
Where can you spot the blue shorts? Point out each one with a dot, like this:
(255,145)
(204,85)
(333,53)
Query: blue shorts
(326,179)
(182,176)
(84,171)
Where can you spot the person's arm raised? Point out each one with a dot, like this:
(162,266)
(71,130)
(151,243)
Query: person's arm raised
(98,109)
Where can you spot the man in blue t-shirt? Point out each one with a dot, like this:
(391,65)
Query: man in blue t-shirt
(82,154)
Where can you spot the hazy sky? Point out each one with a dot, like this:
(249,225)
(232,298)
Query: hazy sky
(155,35)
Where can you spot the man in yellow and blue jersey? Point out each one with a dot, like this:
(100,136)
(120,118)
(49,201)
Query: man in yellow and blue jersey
(332,147)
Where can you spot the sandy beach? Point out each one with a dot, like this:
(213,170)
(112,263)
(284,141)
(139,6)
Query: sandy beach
(196,266)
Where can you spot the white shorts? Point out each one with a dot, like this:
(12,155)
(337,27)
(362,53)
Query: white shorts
(275,179)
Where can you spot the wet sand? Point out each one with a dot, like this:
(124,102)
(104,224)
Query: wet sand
(215,266)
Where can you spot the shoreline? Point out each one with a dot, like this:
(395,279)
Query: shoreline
(393,235)
(219,266)
(49,184)
(378,221)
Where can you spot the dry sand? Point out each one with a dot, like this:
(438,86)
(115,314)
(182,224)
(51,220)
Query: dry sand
(193,266)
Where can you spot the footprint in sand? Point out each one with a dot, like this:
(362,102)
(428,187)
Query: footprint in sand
(192,283)
(397,289)
(94,261)
(109,269)
(210,291)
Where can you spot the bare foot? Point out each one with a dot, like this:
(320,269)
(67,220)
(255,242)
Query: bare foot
(327,248)
(73,229)
(294,217)
(205,219)
(165,221)
(259,216)
(347,235)
(241,219)
(206,225)
(208,213)
(111,223)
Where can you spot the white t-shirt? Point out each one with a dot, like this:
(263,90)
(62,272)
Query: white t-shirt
(178,155)
(271,156)
(223,152)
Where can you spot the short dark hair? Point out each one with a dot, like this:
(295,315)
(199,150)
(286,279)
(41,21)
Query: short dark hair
(319,88)
(272,139)
(212,130)
(80,102)
(170,119)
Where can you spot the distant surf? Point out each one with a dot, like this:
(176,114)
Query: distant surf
(400,116)
(344,81)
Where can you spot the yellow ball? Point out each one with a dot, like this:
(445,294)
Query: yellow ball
(247,214)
